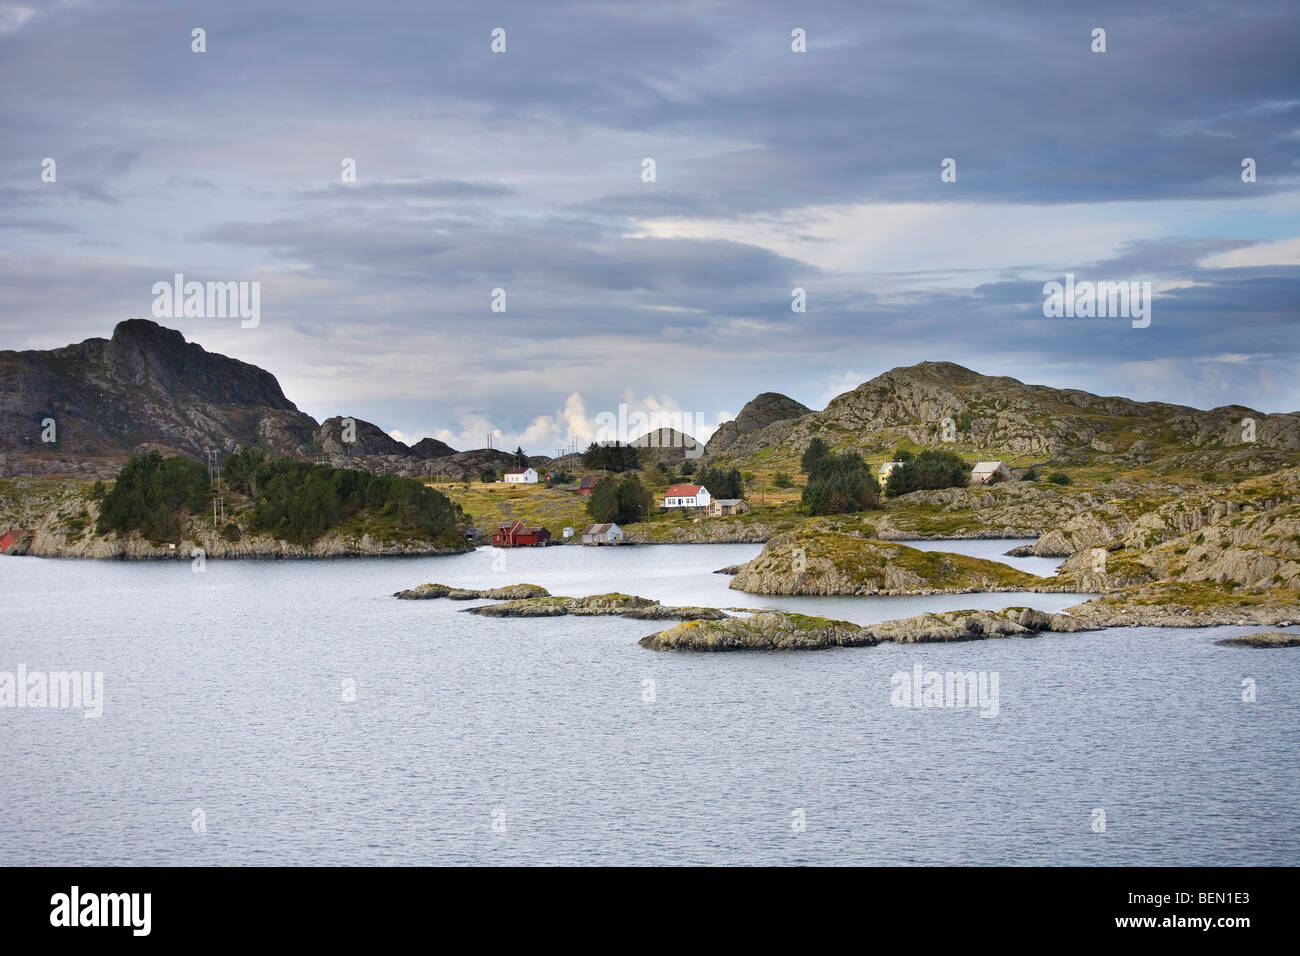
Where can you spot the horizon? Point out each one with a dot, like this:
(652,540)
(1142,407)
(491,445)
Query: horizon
(774,171)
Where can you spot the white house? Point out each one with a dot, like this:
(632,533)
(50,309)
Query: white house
(603,534)
(886,468)
(687,496)
(521,476)
(984,471)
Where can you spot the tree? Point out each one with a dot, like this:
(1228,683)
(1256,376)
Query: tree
(813,454)
(840,484)
(611,457)
(634,501)
(154,496)
(602,503)
(623,501)
(521,460)
(928,470)
(488,476)
(721,484)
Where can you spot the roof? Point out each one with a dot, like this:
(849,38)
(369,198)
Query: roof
(987,466)
(727,502)
(588,481)
(684,491)
(518,471)
(600,528)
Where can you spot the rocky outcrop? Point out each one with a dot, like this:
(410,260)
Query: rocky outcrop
(512,592)
(783,630)
(618,605)
(427,448)
(341,437)
(1246,536)
(831,563)
(974,625)
(1187,604)
(767,631)
(1266,639)
(759,412)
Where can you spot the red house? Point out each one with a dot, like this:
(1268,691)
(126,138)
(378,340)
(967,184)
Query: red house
(586,483)
(9,537)
(516,534)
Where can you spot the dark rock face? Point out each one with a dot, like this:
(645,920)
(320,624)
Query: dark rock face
(761,411)
(366,439)
(427,448)
(144,386)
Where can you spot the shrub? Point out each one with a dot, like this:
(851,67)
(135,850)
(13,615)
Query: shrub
(782,480)
(1059,478)
(1030,475)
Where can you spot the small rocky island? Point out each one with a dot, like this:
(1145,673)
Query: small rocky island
(783,630)
(833,563)
(510,592)
(1263,639)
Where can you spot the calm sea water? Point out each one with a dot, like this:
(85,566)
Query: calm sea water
(475,740)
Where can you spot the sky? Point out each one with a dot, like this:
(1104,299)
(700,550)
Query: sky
(773,170)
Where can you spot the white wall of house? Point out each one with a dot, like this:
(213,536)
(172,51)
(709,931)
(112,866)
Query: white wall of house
(529,477)
(699,500)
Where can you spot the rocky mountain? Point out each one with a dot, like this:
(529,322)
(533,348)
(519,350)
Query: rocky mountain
(941,404)
(667,445)
(102,398)
(760,412)
(83,409)
(431,448)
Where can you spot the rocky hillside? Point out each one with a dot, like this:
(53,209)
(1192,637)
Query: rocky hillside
(945,405)
(1245,537)
(760,412)
(146,386)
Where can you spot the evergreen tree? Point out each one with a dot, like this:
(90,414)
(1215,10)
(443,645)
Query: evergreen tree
(813,454)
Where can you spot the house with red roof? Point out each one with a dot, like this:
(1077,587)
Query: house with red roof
(687,496)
